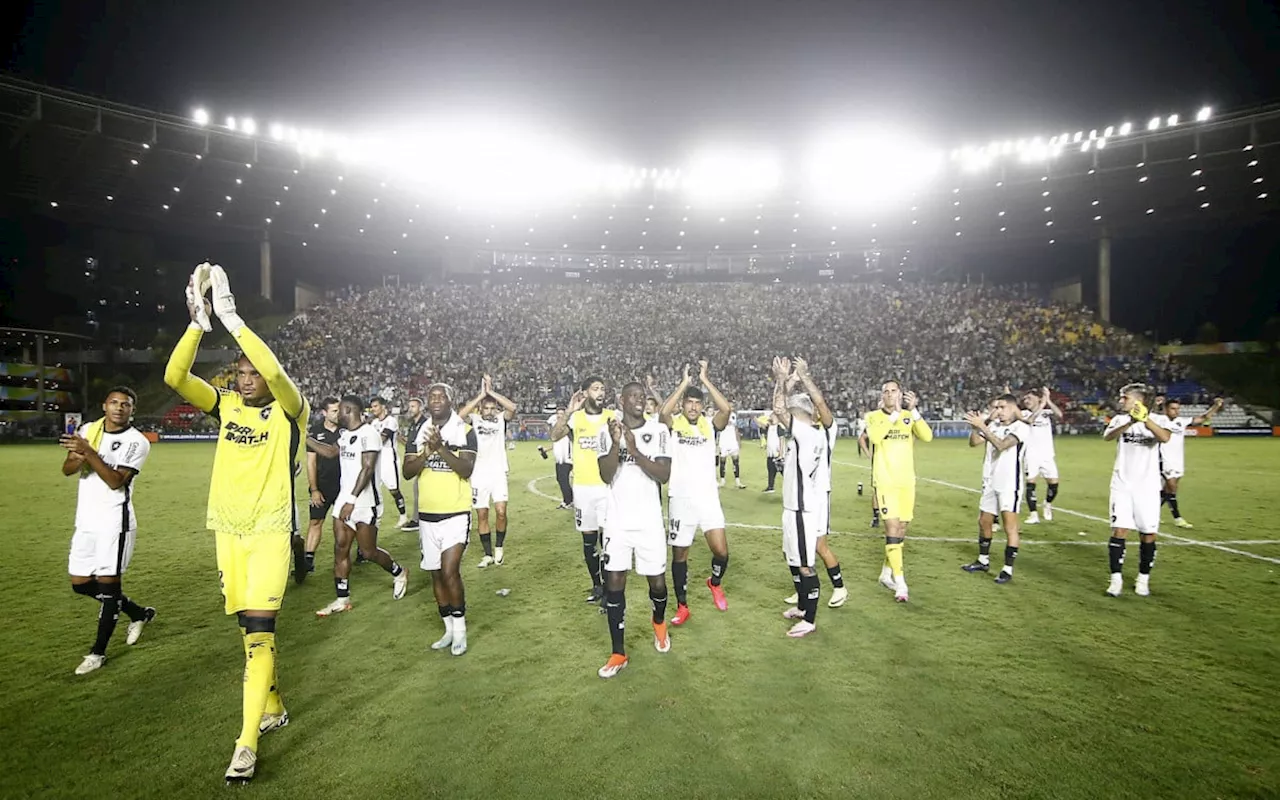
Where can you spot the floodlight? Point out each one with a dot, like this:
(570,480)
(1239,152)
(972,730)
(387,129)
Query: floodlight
(1126,128)
(1110,130)
(1154,124)
(231,123)
(248,127)
(864,168)
(1173,120)
(200,117)
(276,131)
(732,174)
(1204,114)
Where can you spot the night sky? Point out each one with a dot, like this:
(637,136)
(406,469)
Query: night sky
(649,80)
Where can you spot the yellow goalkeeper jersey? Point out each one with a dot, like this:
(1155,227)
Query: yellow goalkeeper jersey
(252,489)
(892,438)
(585,429)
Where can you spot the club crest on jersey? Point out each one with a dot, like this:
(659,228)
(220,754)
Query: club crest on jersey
(265,413)
(353,439)
(115,446)
(906,420)
(646,438)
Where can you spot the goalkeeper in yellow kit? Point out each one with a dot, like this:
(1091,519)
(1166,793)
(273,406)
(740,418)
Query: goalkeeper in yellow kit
(252,508)
(891,431)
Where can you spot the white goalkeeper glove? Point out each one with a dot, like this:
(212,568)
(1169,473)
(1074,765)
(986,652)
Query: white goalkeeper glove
(196,288)
(224,303)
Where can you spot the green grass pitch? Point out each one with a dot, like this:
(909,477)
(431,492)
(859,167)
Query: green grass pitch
(1043,688)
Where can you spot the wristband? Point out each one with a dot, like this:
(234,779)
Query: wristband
(232,322)
(344,499)
(915,415)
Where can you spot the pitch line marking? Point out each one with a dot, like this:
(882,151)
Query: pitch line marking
(532,486)
(1169,536)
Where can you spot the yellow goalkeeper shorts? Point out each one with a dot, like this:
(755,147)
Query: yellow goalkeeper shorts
(897,502)
(253,570)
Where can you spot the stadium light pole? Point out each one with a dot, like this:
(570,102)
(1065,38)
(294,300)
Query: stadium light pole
(264,265)
(1104,277)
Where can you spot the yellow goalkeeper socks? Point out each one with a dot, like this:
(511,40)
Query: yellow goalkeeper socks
(259,676)
(893,556)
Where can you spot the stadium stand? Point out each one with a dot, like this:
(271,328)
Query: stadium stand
(955,344)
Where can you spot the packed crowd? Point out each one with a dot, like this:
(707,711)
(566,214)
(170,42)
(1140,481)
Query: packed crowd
(953,344)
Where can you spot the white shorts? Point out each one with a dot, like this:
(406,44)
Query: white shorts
(388,471)
(730,451)
(488,487)
(687,515)
(437,537)
(800,533)
(588,507)
(1004,500)
(100,553)
(648,547)
(1135,511)
(1046,467)
(360,515)
(1171,469)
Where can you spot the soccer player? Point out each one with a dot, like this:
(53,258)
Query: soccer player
(635,460)
(417,418)
(251,495)
(772,450)
(585,420)
(730,448)
(1135,485)
(806,483)
(388,476)
(489,481)
(1041,412)
(891,431)
(322,476)
(694,501)
(445,457)
(356,512)
(865,449)
(562,450)
(1005,435)
(106,455)
(1172,458)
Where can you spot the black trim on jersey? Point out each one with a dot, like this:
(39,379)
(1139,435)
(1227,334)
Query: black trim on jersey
(804,551)
(124,532)
(295,438)
(1019,468)
(437,517)
(216,411)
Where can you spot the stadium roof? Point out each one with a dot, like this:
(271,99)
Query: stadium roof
(85,159)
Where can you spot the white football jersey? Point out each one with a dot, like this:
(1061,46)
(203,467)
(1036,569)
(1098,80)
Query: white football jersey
(491,438)
(806,467)
(773,443)
(693,458)
(389,423)
(729,436)
(562,448)
(352,445)
(99,508)
(635,500)
(1172,452)
(1137,465)
(1003,470)
(1040,443)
